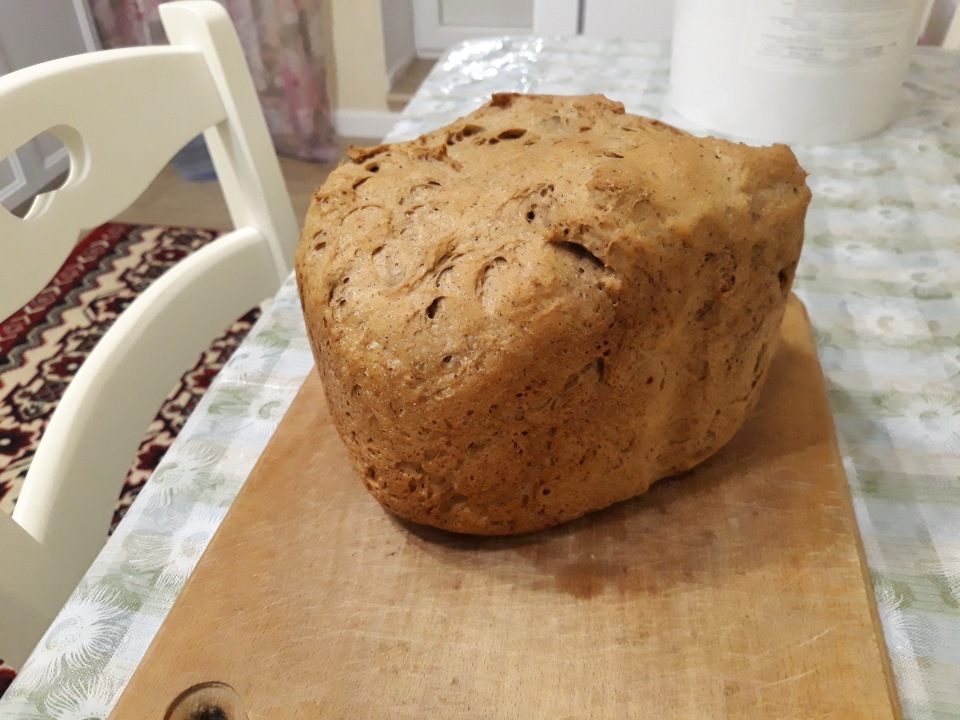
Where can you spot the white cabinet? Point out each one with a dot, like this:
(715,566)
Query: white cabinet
(32,31)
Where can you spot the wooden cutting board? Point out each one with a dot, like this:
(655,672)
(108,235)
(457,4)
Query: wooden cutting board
(736,591)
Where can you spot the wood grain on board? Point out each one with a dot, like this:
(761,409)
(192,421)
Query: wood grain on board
(734,591)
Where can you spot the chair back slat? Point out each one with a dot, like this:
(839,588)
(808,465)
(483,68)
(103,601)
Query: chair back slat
(116,145)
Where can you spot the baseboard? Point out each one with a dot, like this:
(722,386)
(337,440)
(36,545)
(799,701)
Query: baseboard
(364,123)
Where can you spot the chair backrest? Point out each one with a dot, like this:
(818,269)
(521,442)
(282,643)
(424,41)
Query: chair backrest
(122,115)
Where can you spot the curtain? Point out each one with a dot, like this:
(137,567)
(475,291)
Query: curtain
(283,44)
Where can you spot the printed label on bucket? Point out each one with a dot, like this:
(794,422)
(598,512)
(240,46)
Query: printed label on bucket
(827,35)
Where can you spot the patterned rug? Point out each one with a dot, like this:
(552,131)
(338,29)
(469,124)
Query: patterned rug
(43,344)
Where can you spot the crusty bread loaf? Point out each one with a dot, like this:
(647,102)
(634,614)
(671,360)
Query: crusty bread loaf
(544,307)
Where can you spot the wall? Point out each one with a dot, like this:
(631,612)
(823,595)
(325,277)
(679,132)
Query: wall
(359,72)
(356,60)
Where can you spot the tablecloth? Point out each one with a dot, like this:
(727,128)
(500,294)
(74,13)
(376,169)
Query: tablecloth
(880,275)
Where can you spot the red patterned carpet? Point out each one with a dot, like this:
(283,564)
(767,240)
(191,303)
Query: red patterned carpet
(43,344)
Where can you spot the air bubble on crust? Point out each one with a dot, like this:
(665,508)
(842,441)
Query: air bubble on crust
(434,307)
(785,278)
(488,272)
(443,274)
(319,241)
(464,132)
(450,501)
(512,134)
(579,251)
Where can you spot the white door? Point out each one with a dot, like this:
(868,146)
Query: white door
(438,24)
(628,19)
(32,31)
(552,18)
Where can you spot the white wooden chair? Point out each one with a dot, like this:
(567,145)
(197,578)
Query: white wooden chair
(122,114)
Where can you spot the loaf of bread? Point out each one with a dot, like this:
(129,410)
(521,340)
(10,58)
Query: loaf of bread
(544,307)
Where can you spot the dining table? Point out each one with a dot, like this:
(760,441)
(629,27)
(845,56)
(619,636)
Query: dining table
(879,276)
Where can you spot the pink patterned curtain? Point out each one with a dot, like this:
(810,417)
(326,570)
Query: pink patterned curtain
(283,44)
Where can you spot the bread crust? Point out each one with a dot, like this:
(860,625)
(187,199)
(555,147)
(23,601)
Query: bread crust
(544,307)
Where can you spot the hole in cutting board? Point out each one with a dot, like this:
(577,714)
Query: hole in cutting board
(207,701)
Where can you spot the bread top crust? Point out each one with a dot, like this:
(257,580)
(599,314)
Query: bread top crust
(465,238)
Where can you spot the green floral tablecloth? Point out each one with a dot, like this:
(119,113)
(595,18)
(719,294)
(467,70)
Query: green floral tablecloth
(880,276)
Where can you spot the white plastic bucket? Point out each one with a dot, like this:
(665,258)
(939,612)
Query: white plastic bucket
(792,71)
